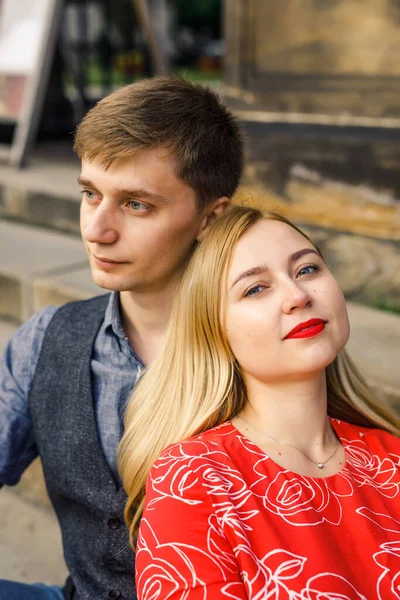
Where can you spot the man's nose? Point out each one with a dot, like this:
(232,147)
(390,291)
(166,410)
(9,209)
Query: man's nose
(295,296)
(101,226)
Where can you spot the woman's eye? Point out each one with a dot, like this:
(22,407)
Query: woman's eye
(137,206)
(256,289)
(307,270)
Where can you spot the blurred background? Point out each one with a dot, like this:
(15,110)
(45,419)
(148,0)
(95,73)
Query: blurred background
(315,84)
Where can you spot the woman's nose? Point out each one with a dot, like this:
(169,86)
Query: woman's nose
(100,226)
(295,296)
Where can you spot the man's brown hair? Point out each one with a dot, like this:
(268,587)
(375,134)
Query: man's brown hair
(188,119)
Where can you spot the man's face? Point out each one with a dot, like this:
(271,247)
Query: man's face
(138,221)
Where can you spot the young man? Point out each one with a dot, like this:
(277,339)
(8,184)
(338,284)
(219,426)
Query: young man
(160,160)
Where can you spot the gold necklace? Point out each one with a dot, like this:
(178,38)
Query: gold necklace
(320,465)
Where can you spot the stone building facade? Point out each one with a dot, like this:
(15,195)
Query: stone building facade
(316,84)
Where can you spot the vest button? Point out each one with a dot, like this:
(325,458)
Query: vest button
(114,523)
(114,594)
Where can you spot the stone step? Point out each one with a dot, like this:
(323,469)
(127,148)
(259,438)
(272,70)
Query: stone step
(374,345)
(40,267)
(45,193)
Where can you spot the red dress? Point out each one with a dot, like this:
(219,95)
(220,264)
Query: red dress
(223,521)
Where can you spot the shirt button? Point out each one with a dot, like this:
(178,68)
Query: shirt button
(114,523)
(114,594)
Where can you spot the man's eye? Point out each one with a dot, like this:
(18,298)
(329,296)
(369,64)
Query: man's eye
(88,195)
(137,206)
(307,270)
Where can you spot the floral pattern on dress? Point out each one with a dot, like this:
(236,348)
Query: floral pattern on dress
(223,521)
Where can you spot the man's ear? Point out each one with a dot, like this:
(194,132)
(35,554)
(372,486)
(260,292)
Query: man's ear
(213,211)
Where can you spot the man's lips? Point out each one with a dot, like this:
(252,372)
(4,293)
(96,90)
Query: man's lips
(106,262)
(307,329)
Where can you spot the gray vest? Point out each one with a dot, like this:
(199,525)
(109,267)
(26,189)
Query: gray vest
(88,501)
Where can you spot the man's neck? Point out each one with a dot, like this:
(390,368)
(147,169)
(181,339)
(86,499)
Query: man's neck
(144,318)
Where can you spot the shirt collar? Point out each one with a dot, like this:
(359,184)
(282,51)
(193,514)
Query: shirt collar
(112,316)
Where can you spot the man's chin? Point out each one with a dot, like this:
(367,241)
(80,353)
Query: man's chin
(112,284)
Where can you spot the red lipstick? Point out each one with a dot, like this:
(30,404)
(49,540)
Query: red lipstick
(307,329)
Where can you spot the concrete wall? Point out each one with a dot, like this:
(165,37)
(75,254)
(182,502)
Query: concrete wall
(316,84)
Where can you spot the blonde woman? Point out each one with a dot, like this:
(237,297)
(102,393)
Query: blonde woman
(280,478)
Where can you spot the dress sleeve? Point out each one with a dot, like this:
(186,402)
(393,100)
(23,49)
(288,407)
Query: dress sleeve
(182,551)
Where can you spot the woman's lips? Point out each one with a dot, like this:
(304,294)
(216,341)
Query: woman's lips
(307,329)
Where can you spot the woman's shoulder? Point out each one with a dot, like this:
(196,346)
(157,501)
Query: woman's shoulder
(372,436)
(185,463)
(209,441)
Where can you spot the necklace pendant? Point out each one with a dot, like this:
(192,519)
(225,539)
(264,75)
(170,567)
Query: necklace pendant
(320,465)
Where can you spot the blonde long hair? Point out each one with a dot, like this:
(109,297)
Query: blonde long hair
(196,383)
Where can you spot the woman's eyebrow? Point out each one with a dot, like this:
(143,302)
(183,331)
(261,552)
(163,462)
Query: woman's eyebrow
(300,253)
(262,268)
(249,273)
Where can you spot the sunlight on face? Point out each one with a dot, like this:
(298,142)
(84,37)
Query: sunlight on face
(285,316)
(138,221)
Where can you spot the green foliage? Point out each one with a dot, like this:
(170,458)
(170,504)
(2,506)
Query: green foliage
(200,14)
(389,305)
(199,76)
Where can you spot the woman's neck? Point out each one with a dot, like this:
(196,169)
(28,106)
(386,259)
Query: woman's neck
(289,422)
(292,412)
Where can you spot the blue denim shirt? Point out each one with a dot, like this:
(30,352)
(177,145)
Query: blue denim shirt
(115,370)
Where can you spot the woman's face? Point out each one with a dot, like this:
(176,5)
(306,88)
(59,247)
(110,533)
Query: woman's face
(285,315)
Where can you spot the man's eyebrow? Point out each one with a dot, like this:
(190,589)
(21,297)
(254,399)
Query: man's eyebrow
(137,193)
(262,268)
(144,194)
(85,182)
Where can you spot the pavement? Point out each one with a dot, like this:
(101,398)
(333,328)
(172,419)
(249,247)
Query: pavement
(42,261)
(30,542)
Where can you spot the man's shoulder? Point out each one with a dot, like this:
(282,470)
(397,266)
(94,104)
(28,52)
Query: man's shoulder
(40,320)
(19,359)
(58,321)
(76,307)
(78,315)
(34,328)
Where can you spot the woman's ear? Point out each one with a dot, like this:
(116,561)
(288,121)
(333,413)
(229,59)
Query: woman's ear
(213,211)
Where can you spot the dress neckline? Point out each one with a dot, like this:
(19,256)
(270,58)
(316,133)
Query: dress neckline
(337,426)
